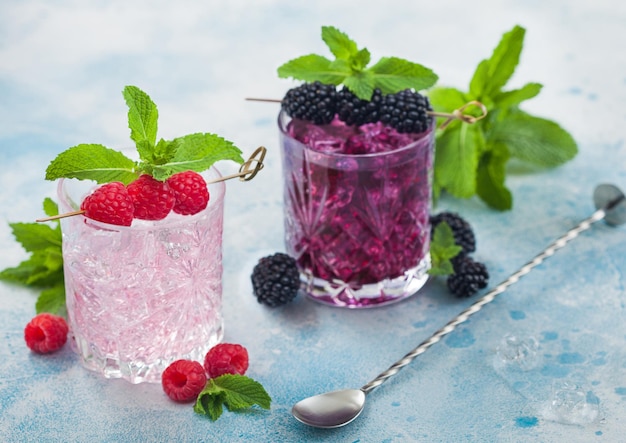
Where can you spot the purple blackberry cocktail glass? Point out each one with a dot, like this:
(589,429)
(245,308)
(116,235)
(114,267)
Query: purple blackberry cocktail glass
(357,224)
(140,297)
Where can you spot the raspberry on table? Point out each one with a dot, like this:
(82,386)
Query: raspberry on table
(46,333)
(190,192)
(226,358)
(275,279)
(461,229)
(469,276)
(109,203)
(152,199)
(314,102)
(406,111)
(354,111)
(183,380)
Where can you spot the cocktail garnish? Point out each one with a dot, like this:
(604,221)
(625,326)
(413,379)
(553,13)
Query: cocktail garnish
(350,68)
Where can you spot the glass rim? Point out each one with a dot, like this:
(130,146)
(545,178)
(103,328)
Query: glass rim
(217,197)
(426,136)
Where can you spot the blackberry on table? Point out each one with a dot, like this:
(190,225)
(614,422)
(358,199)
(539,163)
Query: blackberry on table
(463,233)
(469,276)
(355,111)
(406,111)
(314,102)
(275,279)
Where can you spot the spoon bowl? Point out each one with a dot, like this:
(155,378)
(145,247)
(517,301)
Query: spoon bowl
(330,410)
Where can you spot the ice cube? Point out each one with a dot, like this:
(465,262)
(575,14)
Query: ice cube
(572,403)
(517,353)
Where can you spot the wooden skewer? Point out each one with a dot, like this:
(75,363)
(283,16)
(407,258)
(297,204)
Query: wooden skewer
(247,171)
(58,216)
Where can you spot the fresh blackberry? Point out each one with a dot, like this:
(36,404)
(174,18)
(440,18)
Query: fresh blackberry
(354,111)
(463,233)
(406,111)
(469,276)
(314,102)
(275,279)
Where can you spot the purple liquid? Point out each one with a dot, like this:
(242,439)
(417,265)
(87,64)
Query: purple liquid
(357,200)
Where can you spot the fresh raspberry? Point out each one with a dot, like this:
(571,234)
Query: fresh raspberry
(191,192)
(152,199)
(226,358)
(110,203)
(183,380)
(46,333)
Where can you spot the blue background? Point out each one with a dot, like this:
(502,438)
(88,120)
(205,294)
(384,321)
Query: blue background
(63,66)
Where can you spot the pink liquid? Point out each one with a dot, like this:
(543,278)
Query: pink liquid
(141,297)
(357,203)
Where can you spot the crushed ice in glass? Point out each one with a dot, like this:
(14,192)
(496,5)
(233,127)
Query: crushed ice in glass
(359,220)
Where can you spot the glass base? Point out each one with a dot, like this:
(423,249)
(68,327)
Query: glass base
(136,370)
(340,294)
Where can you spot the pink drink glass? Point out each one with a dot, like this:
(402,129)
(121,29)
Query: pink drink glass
(140,297)
(357,223)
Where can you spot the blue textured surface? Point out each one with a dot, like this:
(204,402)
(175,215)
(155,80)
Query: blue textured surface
(63,67)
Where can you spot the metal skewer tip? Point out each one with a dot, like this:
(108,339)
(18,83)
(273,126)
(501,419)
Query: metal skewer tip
(611,199)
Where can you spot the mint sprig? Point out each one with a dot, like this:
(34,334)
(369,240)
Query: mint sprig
(472,159)
(92,162)
(196,152)
(43,270)
(234,391)
(443,249)
(350,67)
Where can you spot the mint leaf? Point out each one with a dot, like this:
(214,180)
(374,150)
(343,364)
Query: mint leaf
(458,151)
(339,43)
(145,150)
(470,162)
(92,162)
(490,179)
(165,151)
(479,80)
(516,96)
(446,99)
(34,272)
(20,274)
(443,248)
(50,208)
(210,402)
(234,391)
(362,85)
(197,152)
(242,392)
(360,60)
(535,140)
(52,300)
(142,116)
(492,74)
(394,74)
(96,162)
(35,236)
(44,267)
(312,67)
(390,74)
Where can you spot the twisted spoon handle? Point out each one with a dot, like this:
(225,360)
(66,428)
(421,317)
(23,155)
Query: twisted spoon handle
(487,298)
